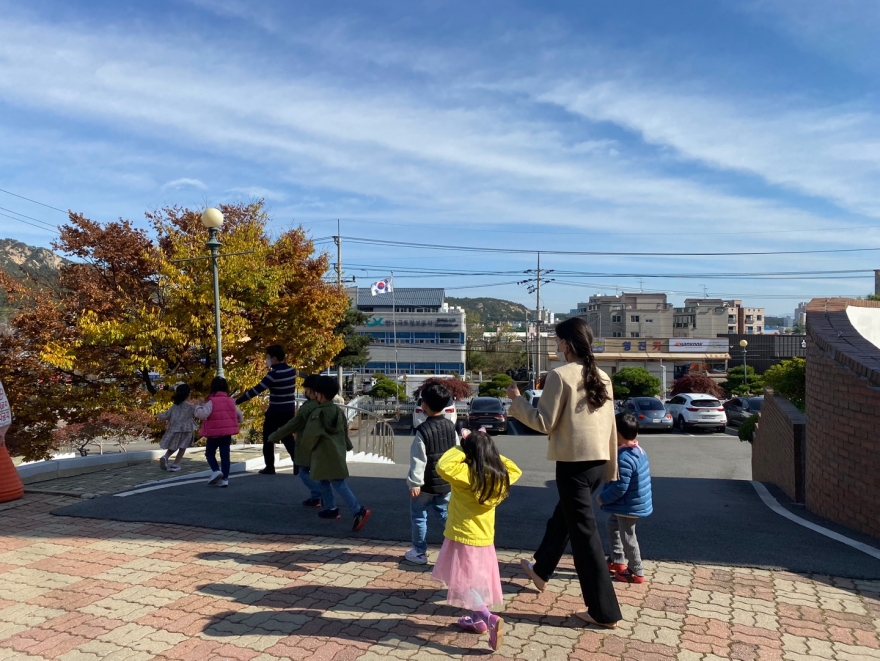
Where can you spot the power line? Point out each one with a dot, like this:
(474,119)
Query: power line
(29,218)
(591,253)
(39,227)
(48,206)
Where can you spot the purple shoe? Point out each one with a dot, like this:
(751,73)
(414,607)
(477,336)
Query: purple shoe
(468,623)
(496,632)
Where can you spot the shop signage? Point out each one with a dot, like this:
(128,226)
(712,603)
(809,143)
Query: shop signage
(443,323)
(599,345)
(688,345)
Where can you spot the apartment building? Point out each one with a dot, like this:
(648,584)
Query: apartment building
(711,317)
(628,315)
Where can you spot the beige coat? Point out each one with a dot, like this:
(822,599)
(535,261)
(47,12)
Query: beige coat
(577,432)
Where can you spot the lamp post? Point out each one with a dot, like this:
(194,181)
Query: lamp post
(744,344)
(212,219)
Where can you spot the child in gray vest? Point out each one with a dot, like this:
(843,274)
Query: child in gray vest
(427,489)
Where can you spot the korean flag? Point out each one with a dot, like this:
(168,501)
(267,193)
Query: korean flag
(385,286)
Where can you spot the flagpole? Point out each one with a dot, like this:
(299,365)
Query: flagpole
(394,321)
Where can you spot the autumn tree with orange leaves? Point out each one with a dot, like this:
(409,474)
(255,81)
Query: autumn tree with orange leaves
(130,304)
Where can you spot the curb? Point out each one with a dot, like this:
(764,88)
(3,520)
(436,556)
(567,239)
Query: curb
(237,467)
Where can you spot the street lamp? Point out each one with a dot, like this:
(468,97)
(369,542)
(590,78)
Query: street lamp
(744,344)
(212,219)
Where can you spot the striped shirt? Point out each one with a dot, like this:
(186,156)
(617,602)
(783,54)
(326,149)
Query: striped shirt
(281,384)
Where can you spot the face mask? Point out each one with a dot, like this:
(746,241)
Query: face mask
(269,363)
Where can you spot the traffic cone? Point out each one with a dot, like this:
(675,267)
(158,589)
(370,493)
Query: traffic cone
(11,487)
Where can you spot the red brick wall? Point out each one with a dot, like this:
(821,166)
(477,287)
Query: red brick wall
(843,403)
(777,449)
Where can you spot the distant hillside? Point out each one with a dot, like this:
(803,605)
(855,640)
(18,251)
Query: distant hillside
(21,260)
(491,310)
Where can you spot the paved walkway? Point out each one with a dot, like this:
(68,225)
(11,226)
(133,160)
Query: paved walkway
(84,589)
(116,479)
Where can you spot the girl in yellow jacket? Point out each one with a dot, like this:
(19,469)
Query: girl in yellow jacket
(467,564)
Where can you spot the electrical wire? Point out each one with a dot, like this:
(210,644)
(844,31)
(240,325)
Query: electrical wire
(42,222)
(39,227)
(48,206)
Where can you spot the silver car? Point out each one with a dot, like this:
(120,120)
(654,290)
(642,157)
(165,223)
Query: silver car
(649,412)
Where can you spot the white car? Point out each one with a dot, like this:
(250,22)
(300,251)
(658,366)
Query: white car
(693,410)
(419,415)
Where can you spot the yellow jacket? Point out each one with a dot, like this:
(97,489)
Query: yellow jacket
(468,521)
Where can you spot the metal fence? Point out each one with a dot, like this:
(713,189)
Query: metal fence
(370,433)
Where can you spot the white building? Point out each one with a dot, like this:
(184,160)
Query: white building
(429,336)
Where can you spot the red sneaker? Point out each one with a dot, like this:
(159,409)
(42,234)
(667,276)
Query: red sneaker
(627,576)
(614,567)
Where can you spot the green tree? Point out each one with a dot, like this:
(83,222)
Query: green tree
(386,388)
(737,385)
(746,431)
(496,387)
(635,382)
(789,379)
(356,352)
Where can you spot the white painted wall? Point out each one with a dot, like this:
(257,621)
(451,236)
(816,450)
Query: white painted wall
(866,321)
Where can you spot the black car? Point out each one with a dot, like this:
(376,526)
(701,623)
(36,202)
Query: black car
(649,412)
(487,412)
(739,409)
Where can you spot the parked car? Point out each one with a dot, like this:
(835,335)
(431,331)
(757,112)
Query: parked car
(419,415)
(487,412)
(693,410)
(740,408)
(649,412)
(532,397)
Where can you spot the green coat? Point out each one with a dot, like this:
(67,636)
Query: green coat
(324,441)
(295,426)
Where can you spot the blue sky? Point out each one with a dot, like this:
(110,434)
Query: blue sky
(612,127)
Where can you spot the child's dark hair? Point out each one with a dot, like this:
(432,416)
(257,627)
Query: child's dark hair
(326,386)
(276,351)
(218,384)
(436,396)
(181,393)
(627,425)
(489,476)
(310,381)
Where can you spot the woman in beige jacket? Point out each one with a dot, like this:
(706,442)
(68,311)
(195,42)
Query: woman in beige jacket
(576,410)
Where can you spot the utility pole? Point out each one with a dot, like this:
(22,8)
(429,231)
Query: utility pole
(338,240)
(538,322)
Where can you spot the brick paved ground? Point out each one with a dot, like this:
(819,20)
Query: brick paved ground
(116,479)
(88,590)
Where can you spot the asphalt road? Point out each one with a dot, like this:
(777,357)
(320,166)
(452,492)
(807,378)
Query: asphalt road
(705,510)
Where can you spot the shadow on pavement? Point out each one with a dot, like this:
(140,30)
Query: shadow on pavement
(715,522)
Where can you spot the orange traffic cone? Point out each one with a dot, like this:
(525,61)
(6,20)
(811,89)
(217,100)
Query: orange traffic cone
(11,487)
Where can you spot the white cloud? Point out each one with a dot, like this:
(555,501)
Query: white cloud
(183,182)
(258,192)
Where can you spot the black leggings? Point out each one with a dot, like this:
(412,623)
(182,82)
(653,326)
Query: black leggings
(573,520)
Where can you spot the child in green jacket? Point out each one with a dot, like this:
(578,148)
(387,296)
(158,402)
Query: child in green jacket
(300,458)
(324,439)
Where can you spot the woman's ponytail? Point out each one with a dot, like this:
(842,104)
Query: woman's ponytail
(579,337)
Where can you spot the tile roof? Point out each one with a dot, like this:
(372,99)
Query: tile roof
(403,297)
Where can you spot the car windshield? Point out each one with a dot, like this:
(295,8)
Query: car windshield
(756,404)
(706,403)
(487,405)
(650,404)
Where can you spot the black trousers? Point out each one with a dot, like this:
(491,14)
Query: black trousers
(573,520)
(273,421)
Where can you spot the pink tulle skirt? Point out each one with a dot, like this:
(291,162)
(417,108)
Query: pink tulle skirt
(471,574)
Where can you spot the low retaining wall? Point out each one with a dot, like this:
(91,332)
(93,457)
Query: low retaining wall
(779,446)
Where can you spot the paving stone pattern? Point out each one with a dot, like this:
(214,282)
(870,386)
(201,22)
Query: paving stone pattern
(88,590)
(116,479)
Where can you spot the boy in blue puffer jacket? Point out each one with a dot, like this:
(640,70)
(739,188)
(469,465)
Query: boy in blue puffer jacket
(627,500)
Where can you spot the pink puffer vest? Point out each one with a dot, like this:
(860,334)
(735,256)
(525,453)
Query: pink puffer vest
(223,420)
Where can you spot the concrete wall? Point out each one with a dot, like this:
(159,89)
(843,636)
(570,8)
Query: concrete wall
(843,399)
(778,446)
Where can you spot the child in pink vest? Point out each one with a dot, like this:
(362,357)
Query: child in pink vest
(221,419)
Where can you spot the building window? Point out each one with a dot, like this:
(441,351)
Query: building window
(731,330)
(634,334)
(750,329)
(731,319)
(616,319)
(759,329)
(616,334)
(759,317)
(634,318)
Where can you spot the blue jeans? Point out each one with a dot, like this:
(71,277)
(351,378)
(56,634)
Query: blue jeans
(418,510)
(222,443)
(313,487)
(328,500)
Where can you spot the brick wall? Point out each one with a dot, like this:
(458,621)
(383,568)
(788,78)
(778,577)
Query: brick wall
(843,404)
(778,446)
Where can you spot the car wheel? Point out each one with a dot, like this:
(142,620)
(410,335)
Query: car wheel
(722,430)
(681,426)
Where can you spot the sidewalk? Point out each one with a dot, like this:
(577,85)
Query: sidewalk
(84,589)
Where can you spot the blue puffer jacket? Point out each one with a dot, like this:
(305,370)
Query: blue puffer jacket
(631,494)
